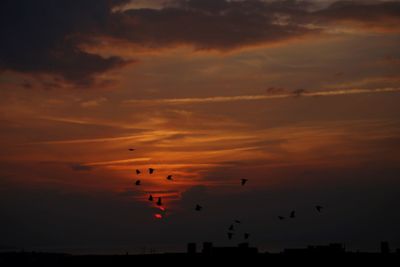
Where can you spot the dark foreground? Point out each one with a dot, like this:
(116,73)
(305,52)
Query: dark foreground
(49,259)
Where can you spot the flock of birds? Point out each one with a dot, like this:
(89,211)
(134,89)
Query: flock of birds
(292,214)
(151,198)
(198,207)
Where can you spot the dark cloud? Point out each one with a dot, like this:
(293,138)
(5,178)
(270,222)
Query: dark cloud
(80,167)
(130,193)
(356,212)
(226,25)
(351,197)
(370,13)
(46,36)
(62,218)
(43,37)
(220,25)
(135,193)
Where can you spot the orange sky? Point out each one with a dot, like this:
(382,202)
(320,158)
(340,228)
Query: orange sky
(268,111)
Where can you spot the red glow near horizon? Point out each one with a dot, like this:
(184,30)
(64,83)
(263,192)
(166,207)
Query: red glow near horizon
(162,208)
(158,216)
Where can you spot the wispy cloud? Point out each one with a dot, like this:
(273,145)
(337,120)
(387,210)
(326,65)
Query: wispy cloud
(89,121)
(79,167)
(145,137)
(94,102)
(218,99)
(116,162)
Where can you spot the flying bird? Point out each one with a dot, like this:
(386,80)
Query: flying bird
(151,170)
(293,214)
(169,177)
(230,235)
(137,171)
(198,207)
(281,218)
(246,236)
(319,208)
(231,228)
(159,203)
(137,182)
(150,198)
(243,181)
(131,149)
(237,221)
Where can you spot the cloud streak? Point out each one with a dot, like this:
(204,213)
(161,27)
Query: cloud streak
(150,136)
(220,99)
(116,162)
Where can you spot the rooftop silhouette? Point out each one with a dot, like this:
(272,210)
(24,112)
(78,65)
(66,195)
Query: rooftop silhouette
(334,252)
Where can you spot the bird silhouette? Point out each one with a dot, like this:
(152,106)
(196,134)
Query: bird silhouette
(169,177)
(281,218)
(159,202)
(237,221)
(131,149)
(319,208)
(150,198)
(151,170)
(243,181)
(138,182)
(246,236)
(137,171)
(293,214)
(230,235)
(198,207)
(231,228)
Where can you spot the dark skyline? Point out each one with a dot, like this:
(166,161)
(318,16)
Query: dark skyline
(130,124)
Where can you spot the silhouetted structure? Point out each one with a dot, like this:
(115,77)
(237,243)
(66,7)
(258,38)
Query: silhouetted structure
(191,248)
(241,249)
(385,249)
(230,235)
(207,248)
(333,253)
(292,214)
(334,248)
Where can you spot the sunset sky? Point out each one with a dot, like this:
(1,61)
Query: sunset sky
(302,98)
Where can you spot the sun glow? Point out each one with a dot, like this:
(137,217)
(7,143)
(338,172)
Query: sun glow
(162,208)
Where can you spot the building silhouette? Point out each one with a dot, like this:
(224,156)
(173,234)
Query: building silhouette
(334,253)
(333,248)
(385,249)
(210,249)
(191,248)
